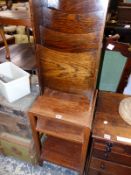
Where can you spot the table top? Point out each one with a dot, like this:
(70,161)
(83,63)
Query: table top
(15,17)
(107,123)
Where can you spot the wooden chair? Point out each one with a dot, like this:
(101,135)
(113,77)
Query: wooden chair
(116,67)
(23,55)
(68,38)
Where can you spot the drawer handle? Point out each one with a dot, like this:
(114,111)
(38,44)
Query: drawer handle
(108,149)
(109,144)
(102,166)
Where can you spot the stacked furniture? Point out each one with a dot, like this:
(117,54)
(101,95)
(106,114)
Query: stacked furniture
(15,132)
(69,37)
(111,147)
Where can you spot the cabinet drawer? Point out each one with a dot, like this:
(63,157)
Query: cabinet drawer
(112,151)
(109,167)
(96,172)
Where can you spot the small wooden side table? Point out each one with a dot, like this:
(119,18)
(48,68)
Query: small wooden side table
(66,120)
(111,147)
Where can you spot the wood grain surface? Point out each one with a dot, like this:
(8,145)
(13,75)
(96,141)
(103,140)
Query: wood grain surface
(107,110)
(71,33)
(76,6)
(69,38)
(72,23)
(69,42)
(75,109)
(61,72)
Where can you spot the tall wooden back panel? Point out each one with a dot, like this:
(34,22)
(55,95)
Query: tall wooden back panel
(70,35)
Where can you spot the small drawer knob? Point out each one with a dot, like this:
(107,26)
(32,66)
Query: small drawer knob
(102,166)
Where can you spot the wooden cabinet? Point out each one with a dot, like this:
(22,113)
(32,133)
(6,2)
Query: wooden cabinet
(111,147)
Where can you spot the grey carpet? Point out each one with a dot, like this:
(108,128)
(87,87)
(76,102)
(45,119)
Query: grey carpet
(11,166)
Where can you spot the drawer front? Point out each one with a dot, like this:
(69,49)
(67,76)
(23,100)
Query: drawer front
(109,167)
(95,172)
(112,151)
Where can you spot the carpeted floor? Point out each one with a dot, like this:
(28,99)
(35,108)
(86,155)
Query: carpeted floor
(11,166)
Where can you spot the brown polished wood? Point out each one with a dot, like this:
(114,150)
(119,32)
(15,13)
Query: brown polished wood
(69,42)
(72,23)
(76,6)
(67,31)
(69,72)
(68,105)
(109,167)
(120,153)
(109,154)
(66,120)
(107,109)
(58,150)
(69,38)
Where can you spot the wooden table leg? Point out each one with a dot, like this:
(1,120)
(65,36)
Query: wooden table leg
(5,43)
(33,122)
(84,149)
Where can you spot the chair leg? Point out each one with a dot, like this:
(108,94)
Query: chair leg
(5,43)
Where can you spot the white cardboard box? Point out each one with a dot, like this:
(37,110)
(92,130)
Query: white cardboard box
(18,87)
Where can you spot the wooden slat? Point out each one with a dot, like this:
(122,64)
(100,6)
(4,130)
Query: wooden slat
(70,26)
(72,23)
(69,42)
(76,6)
(69,72)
